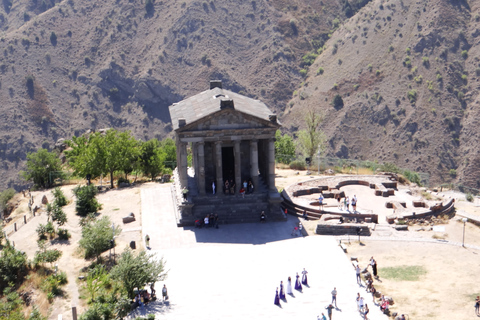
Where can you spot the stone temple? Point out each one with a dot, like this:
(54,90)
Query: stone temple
(224,136)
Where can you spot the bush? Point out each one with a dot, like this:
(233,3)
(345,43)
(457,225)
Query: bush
(469,197)
(412,96)
(86,202)
(63,234)
(337,102)
(6,196)
(297,165)
(59,196)
(96,237)
(149,6)
(13,264)
(320,70)
(53,38)
(464,54)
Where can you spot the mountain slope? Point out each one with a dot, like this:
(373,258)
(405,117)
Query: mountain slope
(406,72)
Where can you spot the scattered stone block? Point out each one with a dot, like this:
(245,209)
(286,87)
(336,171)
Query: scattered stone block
(44,200)
(129,218)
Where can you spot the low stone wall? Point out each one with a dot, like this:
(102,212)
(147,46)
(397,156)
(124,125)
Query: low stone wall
(342,229)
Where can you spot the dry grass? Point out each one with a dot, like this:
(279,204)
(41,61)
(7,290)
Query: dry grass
(32,283)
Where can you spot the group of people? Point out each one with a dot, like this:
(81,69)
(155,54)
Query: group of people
(210,221)
(229,187)
(280,295)
(143,297)
(297,230)
(346,202)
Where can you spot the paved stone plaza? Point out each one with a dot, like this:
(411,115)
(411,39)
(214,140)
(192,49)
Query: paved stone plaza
(232,272)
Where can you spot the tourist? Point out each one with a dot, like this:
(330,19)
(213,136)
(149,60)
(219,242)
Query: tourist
(347,204)
(147,241)
(358,301)
(294,231)
(277,298)
(320,201)
(250,186)
(402,317)
(373,263)
(373,291)
(477,305)
(298,285)
(365,312)
(263,217)
(300,228)
(361,304)
(289,286)
(138,300)
(215,221)
(354,203)
(164,292)
(245,184)
(304,215)
(232,187)
(334,296)
(152,289)
(213,186)
(304,277)
(226,187)
(338,201)
(329,309)
(242,192)
(357,272)
(185,193)
(321,318)
(206,221)
(282,291)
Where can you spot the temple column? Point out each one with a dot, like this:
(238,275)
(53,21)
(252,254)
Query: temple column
(238,165)
(218,167)
(271,165)
(254,162)
(201,167)
(182,166)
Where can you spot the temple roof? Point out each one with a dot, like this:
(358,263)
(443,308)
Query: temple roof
(213,100)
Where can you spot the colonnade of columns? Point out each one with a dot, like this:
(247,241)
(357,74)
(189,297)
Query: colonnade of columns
(199,158)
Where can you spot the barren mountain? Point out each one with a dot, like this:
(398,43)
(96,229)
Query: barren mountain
(398,82)
(70,66)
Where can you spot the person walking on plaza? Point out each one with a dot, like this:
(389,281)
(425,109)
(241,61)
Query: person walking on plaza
(477,306)
(277,298)
(298,285)
(320,201)
(289,286)
(373,263)
(147,241)
(365,312)
(304,277)
(329,309)
(338,200)
(354,204)
(348,204)
(282,291)
(345,203)
(334,296)
(164,293)
(357,272)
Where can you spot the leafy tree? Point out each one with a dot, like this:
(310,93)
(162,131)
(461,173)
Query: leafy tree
(312,139)
(6,196)
(11,305)
(98,311)
(97,278)
(135,271)
(96,237)
(86,201)
(337,102)
(13,264)
(59,196)
(170,151)
(40,165)
(103,153)
(152,158)
(56,213)
(284,147)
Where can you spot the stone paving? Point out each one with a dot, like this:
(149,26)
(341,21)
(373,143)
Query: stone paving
(232,272)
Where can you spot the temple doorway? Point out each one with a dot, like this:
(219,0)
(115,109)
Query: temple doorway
(228,163)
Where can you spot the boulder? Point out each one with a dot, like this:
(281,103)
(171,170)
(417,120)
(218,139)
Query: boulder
(44,200)
(129,218)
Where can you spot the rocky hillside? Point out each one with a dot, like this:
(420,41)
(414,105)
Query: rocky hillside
(398,82)
(74,65)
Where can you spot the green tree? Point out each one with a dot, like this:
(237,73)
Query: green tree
(56,213)
(86,201)
(135,271)
(59,196)
(6,196)
(11,305)
(170,151)
(13,264)
(152,158)
(103,153)
(284,147)
(97,279)
(40,166)
(312,139)
(96,237)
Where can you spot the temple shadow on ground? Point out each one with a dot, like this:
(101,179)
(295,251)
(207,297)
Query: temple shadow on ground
(247,233)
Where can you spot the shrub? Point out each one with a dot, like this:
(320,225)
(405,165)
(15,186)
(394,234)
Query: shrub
(469,197)
(377,73)
(303,72)
(60,199)
(297,165)
(412,96)
(86,202)
(63,234)
(53,38)
(149,6)
(390,48)
(408,50)
(452,173)
(320,70)
(6,196)
(370,67)
(337,102)
(425,61)
(13,264)
(464,54)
